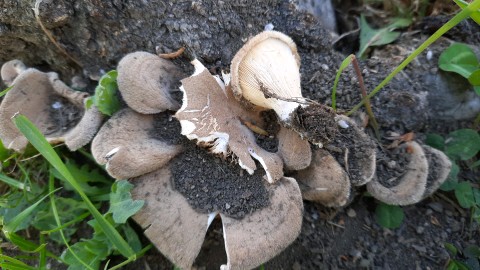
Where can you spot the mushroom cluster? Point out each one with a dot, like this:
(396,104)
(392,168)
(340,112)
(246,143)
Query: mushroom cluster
(56,109)
(203,156)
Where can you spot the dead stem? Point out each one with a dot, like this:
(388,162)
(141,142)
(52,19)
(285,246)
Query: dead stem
(368,107)
(36,10)
(172,55)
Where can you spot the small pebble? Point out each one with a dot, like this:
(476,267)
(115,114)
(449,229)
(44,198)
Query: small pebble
(418,248)
(227,206)
(351,213)
(436,206)
(269,27)
(364,263)
(420,229)
(296,266)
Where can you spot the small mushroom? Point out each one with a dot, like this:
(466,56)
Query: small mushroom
(57,110)
(407,188)
(324,181)
(265,69)
(146,82)
(10,70)
(211,115)
(439,166)
(295,151)
(124,144)
(354,150)
(266,72)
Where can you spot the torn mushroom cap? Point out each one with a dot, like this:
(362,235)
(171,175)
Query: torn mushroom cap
(266,67)
(127,149)
(324,181)
(439,166)
(146,81)
(31,96)
(360,153)
(249,242)
(10,70)
(211,115)
(411,185)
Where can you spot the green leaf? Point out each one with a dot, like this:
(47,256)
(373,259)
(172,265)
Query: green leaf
(40,143)
(91,181)
(376,37)
(452,180)
(472,252)
(474,78)
(15,222)
(132,237)
(69,209)
(3,152)
(389,216)
(343,66)
(477,90)
(462,144)
(459,58)
(435,141)
(121,204)
(105,97)
(464,194)
(451,249)
(92,251)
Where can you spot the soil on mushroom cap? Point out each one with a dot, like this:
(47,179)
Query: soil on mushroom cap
(392,164)
(209,183)
(63,115)
(270,141)
(212,184)
(347,149)
(316,122)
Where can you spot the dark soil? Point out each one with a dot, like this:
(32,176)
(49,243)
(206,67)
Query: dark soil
(316,123)
(392,164)
(212,184)
(269,142)
(63,115)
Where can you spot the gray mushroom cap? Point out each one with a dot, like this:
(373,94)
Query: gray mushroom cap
(125,145)
(411,185)
(439,166)
(178,231)
(146,81)
(31,95)
(324,181)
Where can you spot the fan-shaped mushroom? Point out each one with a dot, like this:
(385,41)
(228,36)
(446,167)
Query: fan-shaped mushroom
(266,72)
(57,110)
(146,81)
(439,166)
(407,187)
(211,115)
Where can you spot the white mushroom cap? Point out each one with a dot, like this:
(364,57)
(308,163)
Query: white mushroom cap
(411,186)
(268,64)
(324,181)
(10,70)
(146,81)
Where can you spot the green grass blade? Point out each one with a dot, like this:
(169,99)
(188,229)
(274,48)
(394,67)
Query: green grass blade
(40,143)
(343,66)
(15,222)
(7,262)
(462,15)
(43,253)
(475,15)
(4,92)
(13,182)
(57,219)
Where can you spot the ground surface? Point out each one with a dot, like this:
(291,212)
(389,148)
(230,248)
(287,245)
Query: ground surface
(99,33)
